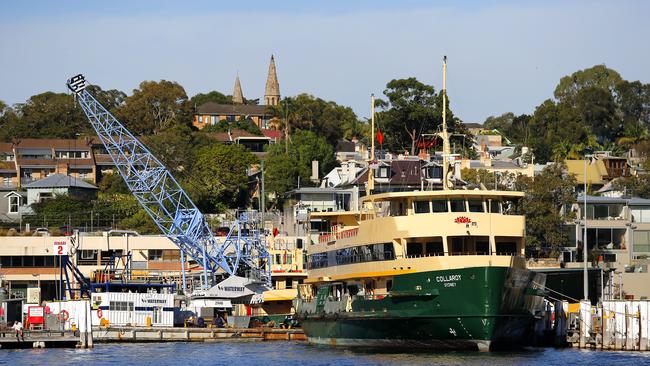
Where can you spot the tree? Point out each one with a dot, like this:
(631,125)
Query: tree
(155,107)
(413,109)
(545,195)
(283,169)
(633,102)
(113,183)
(219,177)
(308,113)
(174,148)
(598,76)
(242,123)
(46,115)
(213,96)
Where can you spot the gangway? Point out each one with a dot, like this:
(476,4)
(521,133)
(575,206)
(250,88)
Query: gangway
(241,256)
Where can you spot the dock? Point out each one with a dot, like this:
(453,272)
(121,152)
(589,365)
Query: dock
(38,339)
(159,334)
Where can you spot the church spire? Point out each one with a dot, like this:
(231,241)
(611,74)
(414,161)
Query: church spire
(237,95)
(272,91)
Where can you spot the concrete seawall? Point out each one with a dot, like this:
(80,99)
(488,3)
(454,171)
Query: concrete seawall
(132,334)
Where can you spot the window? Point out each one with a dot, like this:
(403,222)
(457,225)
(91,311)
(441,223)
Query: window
(439,206)
(475,205)
(382,172)
(155,254)
(421,206)
(641,242)
(63,154)
(14,204)
(121,305)
(457,205)
(45,196)
(87,254)
(495,206)
(641,214)
(200,119)
(213,120)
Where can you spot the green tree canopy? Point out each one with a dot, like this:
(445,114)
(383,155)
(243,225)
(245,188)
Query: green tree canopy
(309,113)
(283,169)
(213,96)
(219,177)
(413,109)
(46,115)
(155,107)
(243,123)
(545,196)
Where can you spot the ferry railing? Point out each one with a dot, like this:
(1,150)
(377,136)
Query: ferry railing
(343,234)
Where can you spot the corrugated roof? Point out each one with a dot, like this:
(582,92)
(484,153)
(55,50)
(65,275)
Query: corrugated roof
(233,109)
(60,181)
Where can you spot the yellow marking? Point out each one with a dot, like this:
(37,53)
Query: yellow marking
(363,275)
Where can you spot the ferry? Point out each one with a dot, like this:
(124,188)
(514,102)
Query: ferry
(435,269)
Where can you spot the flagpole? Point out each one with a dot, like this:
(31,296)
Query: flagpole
(445,137)
(372,127)
(371,176)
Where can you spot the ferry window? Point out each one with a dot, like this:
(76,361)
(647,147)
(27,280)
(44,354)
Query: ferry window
(397,208)
(482,248)
(495,206)
(475,206)
(421,206)
(439,206)
(457,205)
(433,248)
(413,249)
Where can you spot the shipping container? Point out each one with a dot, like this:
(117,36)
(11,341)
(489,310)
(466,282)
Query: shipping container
(123,308)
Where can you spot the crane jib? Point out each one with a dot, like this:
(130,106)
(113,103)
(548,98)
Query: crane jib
(169,206)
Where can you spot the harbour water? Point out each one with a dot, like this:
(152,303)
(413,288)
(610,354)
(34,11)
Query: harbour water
(292,353)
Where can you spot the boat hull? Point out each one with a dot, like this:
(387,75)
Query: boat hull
(476,308)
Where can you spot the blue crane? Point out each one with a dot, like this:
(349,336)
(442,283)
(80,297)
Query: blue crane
(243,253)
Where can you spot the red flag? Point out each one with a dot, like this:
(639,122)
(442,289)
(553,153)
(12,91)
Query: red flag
(380,137)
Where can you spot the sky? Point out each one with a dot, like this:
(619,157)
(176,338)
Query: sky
(503,56)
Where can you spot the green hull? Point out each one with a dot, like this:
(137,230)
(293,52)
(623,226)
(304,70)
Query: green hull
(470,308)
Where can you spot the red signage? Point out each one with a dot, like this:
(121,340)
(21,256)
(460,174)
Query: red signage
(35,315)
(463,220)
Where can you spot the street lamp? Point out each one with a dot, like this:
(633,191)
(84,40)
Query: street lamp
(585,246)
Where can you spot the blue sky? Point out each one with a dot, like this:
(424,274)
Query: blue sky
(503,56)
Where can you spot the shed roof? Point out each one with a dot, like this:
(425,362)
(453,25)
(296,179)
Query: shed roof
(59,181)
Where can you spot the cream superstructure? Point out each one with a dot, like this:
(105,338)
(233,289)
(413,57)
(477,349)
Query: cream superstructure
(405,232)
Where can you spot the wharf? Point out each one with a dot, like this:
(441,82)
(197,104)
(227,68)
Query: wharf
(38,339)
(166,334)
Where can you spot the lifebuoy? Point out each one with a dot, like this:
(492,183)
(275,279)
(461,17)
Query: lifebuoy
(100,314)
(63,315)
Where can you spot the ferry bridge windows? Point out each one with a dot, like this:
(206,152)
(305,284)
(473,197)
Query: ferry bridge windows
(495,206)
(421,207)
(469,245)
(425,247)
(475,206)
(398,208)
(506,246)
(457,205)
(438,205)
